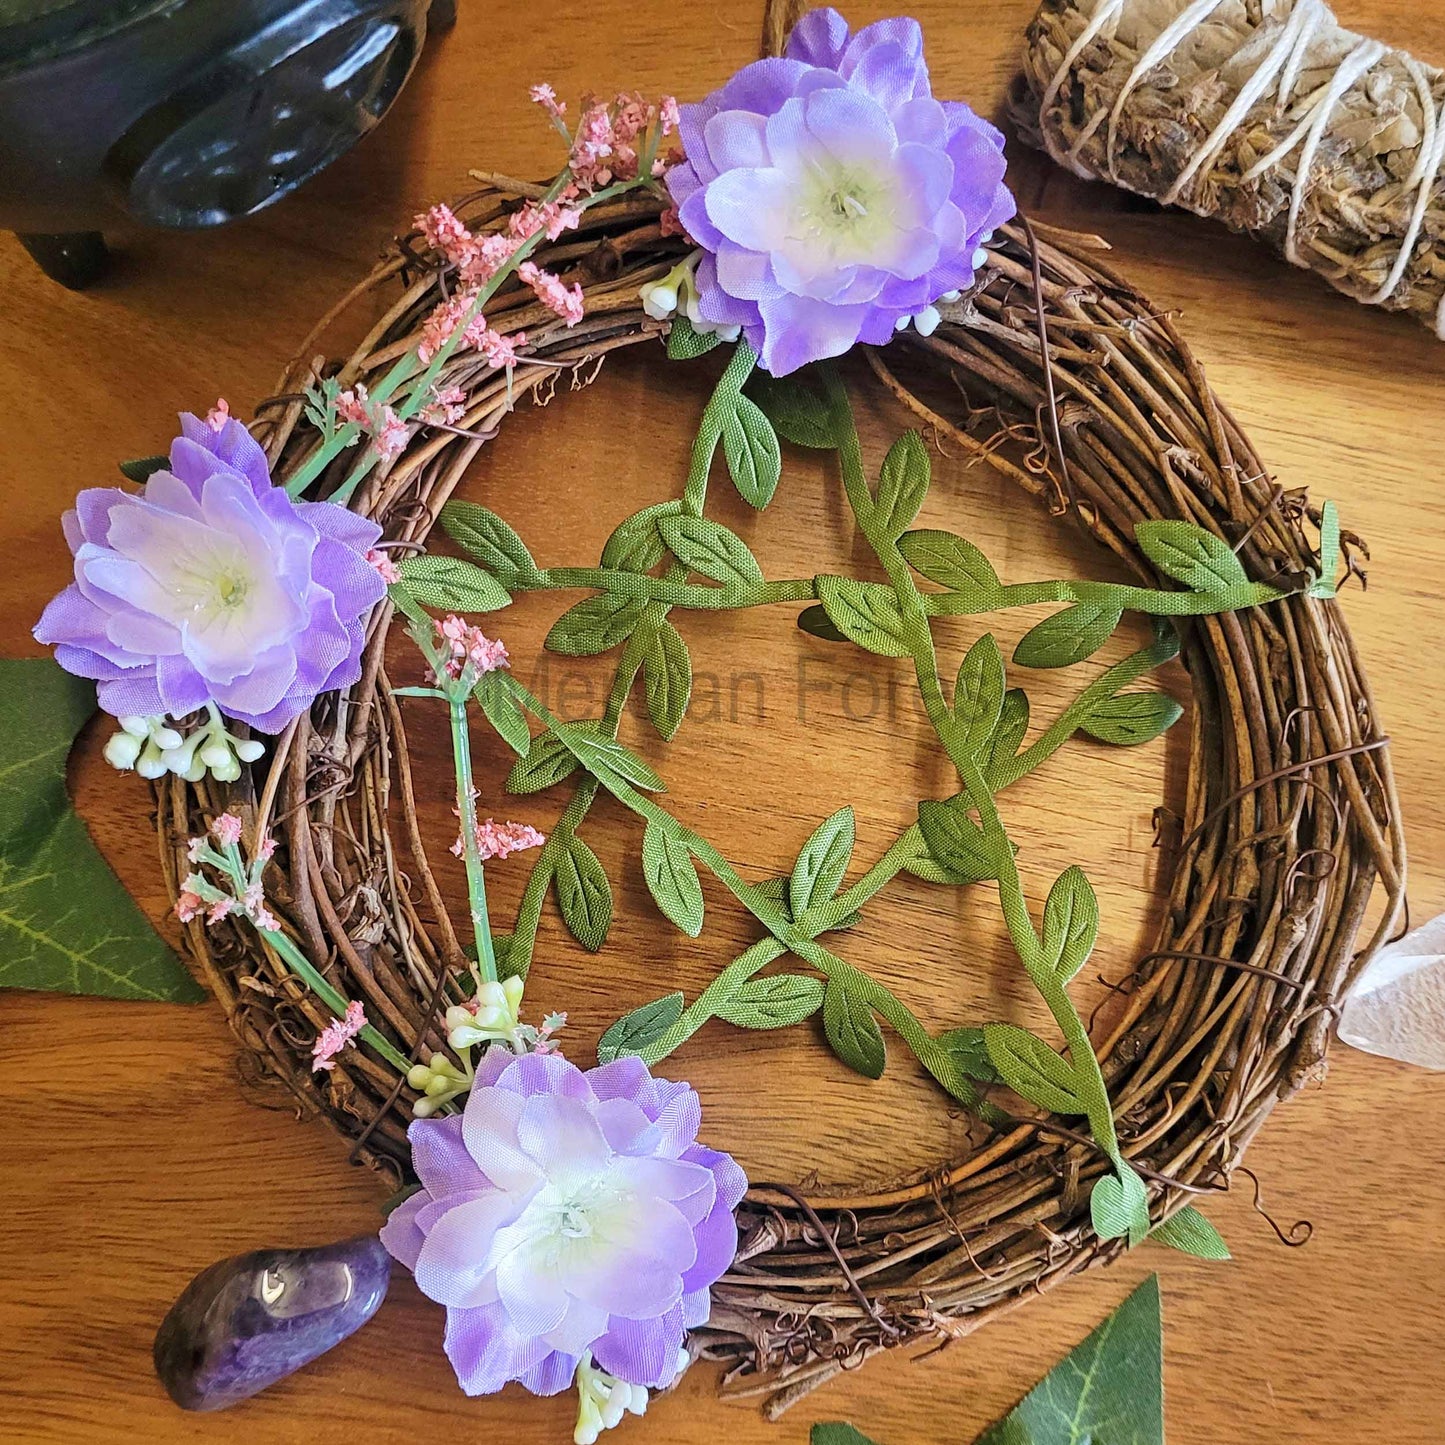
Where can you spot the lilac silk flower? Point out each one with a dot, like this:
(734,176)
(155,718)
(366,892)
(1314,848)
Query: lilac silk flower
(213,586)
(564,1212)
(833,197)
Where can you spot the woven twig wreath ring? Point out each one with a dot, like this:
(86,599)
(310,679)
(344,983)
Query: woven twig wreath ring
(1291,815)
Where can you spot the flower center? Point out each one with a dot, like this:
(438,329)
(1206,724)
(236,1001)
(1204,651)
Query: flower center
(231,589)
(843,213)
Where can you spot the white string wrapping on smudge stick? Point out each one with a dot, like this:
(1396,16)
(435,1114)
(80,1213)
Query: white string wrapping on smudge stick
(1264,113)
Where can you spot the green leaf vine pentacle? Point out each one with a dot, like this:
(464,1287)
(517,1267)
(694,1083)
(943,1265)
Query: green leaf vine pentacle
(671,558)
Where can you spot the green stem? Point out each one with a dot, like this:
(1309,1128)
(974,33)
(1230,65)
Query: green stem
(301,966)
(471,854)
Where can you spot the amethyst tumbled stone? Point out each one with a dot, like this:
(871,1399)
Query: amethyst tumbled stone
(251,1320)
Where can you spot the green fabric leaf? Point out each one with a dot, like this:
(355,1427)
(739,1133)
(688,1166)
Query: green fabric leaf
(583,894)
(1033,1070)
(672,877)
(66,923)
(822,862)
(1119,1206)
(1324,584)
(852,1031)
(451,585)
(1071,922)
(755,461)
(709,548)
(635,544)
(595,625)
(503,711)
(633,1032)
(866,613)
(957,843)
(490,540)
(606,758)
(902,484)
(1003,746)
(1191,1233)
(836,1434)
(547,761)
(798,414)
(666,677)
(1108,1390)
(815,622)
(978,693)
(948,560)
(774,1002)
(1191,555)
(1068,636)
(141,468)
(1130,718)
(963,1062)
(684,343)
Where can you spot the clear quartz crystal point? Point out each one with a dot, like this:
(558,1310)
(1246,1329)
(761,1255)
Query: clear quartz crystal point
(1397,1005)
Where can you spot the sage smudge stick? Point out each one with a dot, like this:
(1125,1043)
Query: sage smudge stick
(1269,116)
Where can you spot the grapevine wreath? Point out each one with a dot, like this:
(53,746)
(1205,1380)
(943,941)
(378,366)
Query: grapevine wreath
(310,900)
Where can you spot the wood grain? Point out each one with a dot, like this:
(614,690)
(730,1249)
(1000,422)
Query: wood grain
(135,1154)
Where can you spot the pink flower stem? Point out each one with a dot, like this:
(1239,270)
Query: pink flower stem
(471,853)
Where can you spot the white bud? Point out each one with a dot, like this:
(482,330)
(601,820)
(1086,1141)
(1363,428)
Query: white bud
(122,751)
(226,772)
(927,320)
(659,300)
(902,323)
(136,726)
(166,738)
(216,754)
(512,991)
(194,771)
(418,1076)
(615,1405)
(980,259)
(637,1401)
(950,295)
(249,749)
(151,764)
(424,1108)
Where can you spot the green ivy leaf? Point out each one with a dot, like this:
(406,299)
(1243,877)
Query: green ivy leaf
(978,693)
(902,485)
(1324,585)
(1119,1206)
(609,760)
(141,468)
(836,1433)
(490,540)
(635,544)
(1191,1233)
(774,1002)
(1109,1390)
(451,585)
(755,462)
(798,414)
(684,343)
(634,1032)
(583,894)
(957,843)
(1130,718)
(710,548)
(852,1031)
(815,622)
(866,613)
(962,1063)
(1068,636)
(1003,746)
(672,877)
(822,862)
(1033,1070)
(1071,923)
(595,625)
(503,711)
(66,923)
(948,560)
(1191,555)
(666,677)
(547,761)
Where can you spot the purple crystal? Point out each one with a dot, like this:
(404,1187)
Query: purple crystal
(251,1320)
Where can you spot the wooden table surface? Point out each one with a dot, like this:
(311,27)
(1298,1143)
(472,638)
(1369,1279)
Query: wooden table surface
(133,1154)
